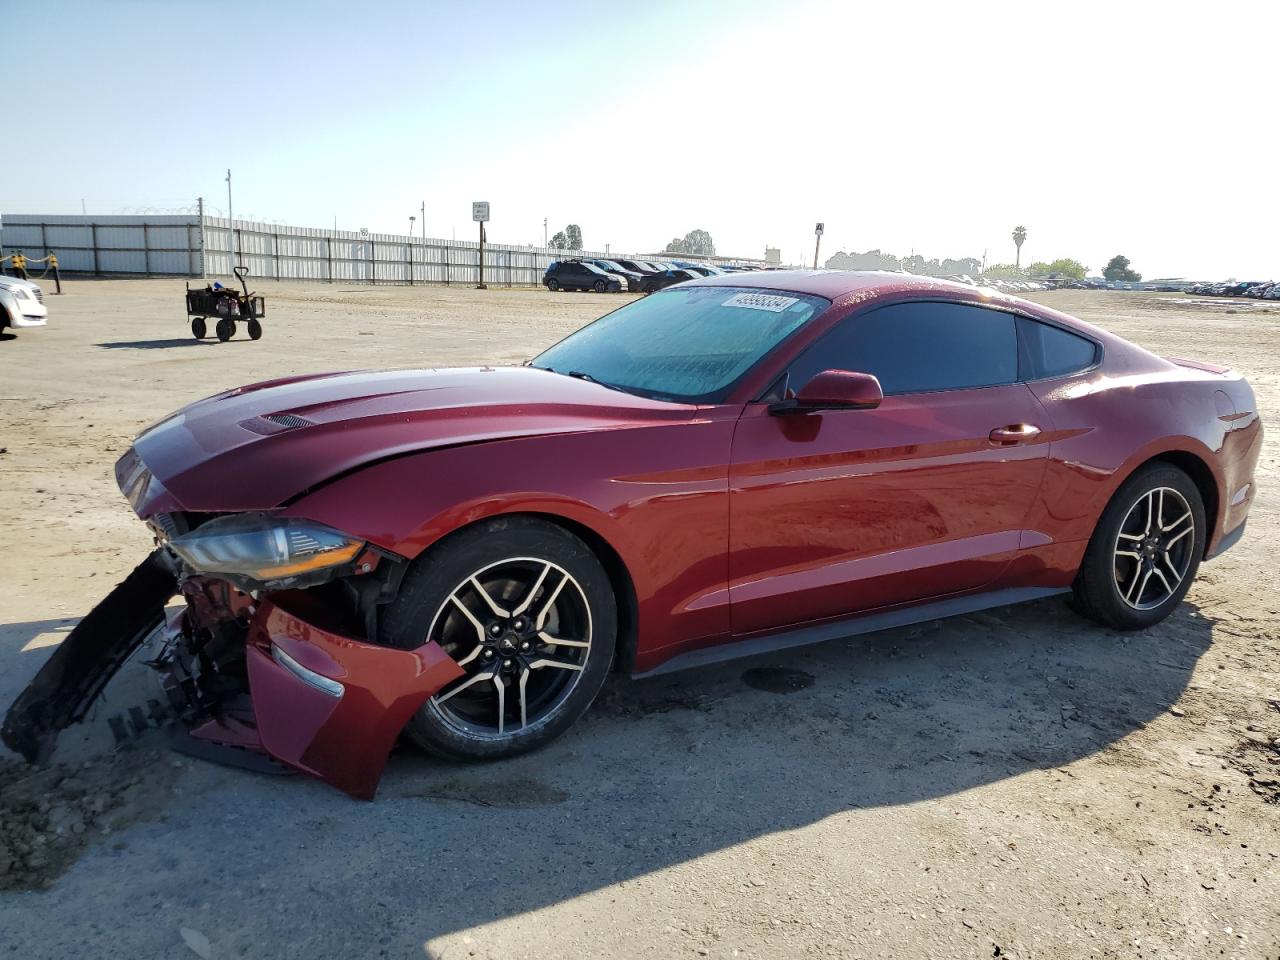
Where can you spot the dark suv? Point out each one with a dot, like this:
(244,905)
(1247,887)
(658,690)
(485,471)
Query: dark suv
(577,275)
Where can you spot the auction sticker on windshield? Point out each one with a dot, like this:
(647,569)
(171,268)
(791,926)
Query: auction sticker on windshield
(760,301)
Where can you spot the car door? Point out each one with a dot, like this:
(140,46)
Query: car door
(839,511)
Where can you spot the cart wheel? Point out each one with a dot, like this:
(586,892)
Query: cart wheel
(255,330)
(198,329)
(226,329)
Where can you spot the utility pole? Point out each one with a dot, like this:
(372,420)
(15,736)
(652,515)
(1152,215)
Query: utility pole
(544,233)
(424,221)
(411,219)
(231,226)
(200,206)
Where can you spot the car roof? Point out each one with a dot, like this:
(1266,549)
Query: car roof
(859,285)
(834,284)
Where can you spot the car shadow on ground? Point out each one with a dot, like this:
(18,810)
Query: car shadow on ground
(665,771)
(660,772)
(24,647)
(17,635)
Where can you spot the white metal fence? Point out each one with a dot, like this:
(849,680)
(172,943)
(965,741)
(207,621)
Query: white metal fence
(131,245)
(195,247)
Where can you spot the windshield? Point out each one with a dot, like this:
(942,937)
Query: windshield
(608,265)
(593,268)
(688,344)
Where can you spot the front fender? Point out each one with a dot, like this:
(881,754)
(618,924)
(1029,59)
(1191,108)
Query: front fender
(658,497)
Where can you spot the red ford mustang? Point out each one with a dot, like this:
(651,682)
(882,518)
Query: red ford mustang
(735,464)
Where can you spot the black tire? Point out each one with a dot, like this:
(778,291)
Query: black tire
(599,286)
(198,328)
(226,329)
(650,288)
(424,609)
(1097,591)
(553,285)
(255,330)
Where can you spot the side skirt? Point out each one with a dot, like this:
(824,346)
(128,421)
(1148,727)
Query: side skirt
(851,627)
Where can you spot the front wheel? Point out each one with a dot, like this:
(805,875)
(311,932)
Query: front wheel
(198,328)
(226,329)
(255,330)
(599,286)
(1145,551)
(527,611)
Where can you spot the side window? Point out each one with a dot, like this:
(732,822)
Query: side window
(919,347)
(1053,352)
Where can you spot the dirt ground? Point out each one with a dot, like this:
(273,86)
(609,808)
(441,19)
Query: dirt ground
(1017,783)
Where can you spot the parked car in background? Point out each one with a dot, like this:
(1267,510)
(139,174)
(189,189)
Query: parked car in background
(580,275)
(21,304)
(1241,288)
(634,278)
(705,270)
(642,267)
(667,278)
(1258,289)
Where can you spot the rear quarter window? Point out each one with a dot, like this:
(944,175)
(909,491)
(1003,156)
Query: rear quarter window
(1049,351)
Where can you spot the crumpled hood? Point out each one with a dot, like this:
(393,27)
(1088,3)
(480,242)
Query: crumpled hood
(256,447)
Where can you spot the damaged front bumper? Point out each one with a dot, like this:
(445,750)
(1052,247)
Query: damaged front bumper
(331,705)
(270,673)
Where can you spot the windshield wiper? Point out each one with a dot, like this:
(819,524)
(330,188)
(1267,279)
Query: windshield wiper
(582,375)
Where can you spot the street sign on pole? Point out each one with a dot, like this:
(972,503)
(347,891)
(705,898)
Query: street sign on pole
(817,232)
(480,214)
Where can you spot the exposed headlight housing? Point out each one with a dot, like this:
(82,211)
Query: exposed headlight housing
(255,549)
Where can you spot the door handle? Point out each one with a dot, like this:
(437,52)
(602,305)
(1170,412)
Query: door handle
(1014,433)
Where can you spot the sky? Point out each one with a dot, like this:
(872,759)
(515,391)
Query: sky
(1145,129)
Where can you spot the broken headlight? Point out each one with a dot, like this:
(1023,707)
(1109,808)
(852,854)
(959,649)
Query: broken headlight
(256,549)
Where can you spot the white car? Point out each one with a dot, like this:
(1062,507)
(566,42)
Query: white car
(21,304)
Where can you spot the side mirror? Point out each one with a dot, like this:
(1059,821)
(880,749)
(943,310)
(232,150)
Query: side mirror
(834,390)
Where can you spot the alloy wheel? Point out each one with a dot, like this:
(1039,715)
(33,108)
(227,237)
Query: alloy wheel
(521,629)
(1153,549)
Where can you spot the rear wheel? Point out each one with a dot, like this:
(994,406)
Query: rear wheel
(526,610)
(226,329)
(255,330)
(553,285)
(198,328)
(1145,551)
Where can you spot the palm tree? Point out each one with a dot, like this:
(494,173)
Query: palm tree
(1019,238)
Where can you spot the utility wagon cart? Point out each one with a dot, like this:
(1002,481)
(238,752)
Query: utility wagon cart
(225,306)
